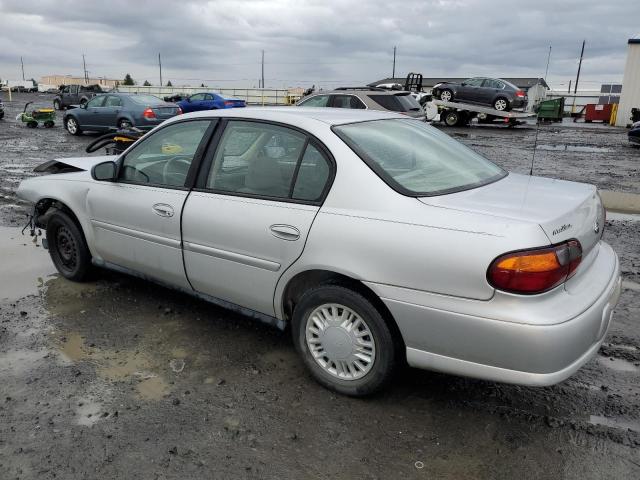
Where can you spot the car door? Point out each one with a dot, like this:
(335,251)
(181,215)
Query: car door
(248,219)
(92,115)
(108,116)
(315,101)
(197,102)
(490,90)
(136,219)
(209,102)
(346,101)
(470,90)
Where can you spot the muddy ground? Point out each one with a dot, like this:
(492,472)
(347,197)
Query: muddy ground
(118,378)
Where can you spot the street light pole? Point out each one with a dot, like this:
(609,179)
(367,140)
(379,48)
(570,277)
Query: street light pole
(160,67)
(393,73)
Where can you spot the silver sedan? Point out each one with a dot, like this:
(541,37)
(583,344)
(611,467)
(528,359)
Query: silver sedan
(373,236)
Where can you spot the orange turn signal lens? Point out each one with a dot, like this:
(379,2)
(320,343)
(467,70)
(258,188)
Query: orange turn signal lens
(542,262)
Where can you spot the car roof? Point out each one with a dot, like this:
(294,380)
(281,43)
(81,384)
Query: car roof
(291,115)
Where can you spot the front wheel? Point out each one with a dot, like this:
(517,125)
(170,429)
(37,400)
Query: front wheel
(67,247)
(446,95)
(72,126)
(343,340)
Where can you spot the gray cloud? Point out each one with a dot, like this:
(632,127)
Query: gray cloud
(322,42)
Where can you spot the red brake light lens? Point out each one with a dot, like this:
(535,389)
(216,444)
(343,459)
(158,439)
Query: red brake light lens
(520,93)
(228,103)
(179,111)
(537,270)
(148,113)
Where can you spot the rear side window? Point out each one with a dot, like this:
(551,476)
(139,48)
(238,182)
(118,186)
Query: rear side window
(396,103)
(317,101)
(313,174)
(347,101)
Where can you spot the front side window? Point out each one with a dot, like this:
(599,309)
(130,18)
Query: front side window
(416,159)
(265,160)
(197,97)
(96,101)
(164,158)
(474,82)
(317,101)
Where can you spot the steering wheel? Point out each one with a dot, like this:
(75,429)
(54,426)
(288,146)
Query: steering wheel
(178,160)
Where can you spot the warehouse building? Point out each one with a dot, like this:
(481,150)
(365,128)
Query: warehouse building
(56,80)
(630,95)
(536,88)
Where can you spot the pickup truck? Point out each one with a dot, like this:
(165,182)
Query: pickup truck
(75,95)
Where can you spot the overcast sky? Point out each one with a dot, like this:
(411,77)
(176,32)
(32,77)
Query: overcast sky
(327,42)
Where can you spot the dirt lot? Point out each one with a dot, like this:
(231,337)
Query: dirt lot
(118,378)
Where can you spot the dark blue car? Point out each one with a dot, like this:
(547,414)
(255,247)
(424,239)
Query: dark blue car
(209,101)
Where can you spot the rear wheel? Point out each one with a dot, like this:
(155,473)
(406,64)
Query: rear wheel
(72,126)
(32,124)
(446,95)
(67,247)
(452,118)
(343,340)
(501,104)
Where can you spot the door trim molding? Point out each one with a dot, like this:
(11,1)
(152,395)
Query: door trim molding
(232,256)
(169,242)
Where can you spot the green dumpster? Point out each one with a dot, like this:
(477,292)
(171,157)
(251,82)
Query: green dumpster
(551,110)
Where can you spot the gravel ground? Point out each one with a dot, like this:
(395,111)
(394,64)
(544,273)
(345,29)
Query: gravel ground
(118,378)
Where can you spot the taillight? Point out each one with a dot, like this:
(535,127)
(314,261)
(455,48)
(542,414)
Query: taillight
(536,270)
(148,113)
(520,93)
(228,104)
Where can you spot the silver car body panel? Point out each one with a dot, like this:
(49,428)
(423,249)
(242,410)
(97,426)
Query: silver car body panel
(425,258)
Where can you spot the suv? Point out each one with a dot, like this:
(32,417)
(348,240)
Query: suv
(75,95)
(363,98)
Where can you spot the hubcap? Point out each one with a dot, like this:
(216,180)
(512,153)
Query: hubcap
(340,341)
(66,248)
(445,96)
(72,126)
(501,104)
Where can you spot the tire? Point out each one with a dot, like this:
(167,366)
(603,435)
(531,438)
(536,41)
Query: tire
(32,124)
(451,118)
(123,124)
(68,247)
(57,105)
(446,95)
(72,126)
(48,124)
(333,363)
(501,104)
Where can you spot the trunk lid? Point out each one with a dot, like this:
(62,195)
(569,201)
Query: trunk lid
(165,111)
(563,209)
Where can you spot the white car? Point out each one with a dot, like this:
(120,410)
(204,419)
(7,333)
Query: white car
(372,235)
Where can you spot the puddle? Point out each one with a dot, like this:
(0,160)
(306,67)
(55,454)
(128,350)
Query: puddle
(618,364)
(620,217)
(152,389)
(620,423)
(572,148)
(72,349)
(25,267)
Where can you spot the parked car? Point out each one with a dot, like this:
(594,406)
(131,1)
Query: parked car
(209,101)
(495,92)
(75,95)
(373,236)
(108,111)
(366,98)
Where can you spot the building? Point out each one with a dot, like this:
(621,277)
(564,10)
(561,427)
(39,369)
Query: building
(57,80)
(536,88)
(630,95)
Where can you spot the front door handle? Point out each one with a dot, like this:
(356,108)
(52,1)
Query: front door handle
(163,210)
(285,232)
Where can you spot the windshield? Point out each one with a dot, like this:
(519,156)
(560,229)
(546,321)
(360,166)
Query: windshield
(146,100)
(416,159)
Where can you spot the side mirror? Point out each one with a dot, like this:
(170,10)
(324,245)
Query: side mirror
(83,105)
(104,172)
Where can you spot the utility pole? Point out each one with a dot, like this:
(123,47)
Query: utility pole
(569,90)
(546,71)
(393,73)
(575,86)
(22,65)
(160,67)
(84,67)
(262,69)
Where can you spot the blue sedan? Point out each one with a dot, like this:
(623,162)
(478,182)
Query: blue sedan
(209,101)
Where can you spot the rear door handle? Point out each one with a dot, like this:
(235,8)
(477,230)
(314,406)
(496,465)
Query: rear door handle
(285,232)
(163,210)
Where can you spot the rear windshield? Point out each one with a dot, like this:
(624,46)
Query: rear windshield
(396,103)
(416,159)
(146,100)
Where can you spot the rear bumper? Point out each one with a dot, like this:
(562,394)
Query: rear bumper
(534,353)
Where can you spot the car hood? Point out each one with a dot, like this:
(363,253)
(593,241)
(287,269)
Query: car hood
(80,163)
(563,209)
